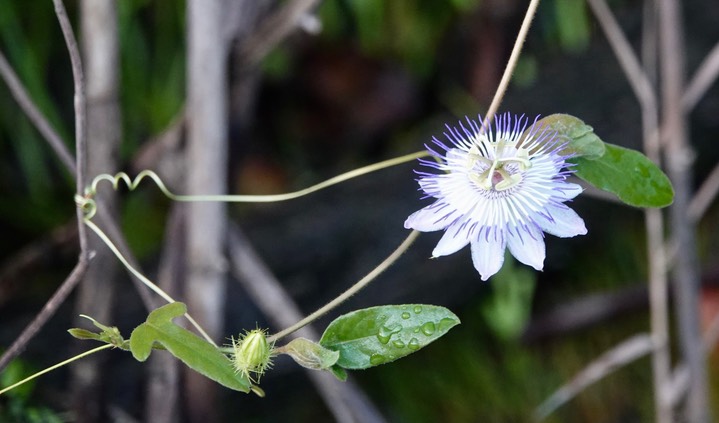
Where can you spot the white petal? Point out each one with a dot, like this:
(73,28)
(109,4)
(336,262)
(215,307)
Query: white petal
(428,219)
(487,256)
(527,245)
(456,237)
(565,222)
(567,191)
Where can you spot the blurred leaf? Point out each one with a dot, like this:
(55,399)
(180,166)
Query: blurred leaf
(582,142)
(628,174)
(508,309)
(192,350)
(16,371)
(572,24)
(378,335)
(526,72)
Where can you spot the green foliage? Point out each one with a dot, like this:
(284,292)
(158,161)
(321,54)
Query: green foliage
(580,137)
(18,408)
(628,174)
(192,350)
(572,20)
(108,334)
(410,30)
(379,335)
(508,309)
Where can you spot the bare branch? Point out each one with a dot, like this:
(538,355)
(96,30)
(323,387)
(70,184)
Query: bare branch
(678,153)
(626,352)
(703,79)
(46,313)
(78,78)
(19,93)
(275,29)
(704,196)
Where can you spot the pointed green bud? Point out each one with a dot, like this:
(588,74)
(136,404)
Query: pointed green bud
(252,354)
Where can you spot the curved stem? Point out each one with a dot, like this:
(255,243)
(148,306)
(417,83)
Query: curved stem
(351,291)
(56,366)
(132,184)
(512,62)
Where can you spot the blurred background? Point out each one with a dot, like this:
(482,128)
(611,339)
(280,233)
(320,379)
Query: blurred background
(358,82)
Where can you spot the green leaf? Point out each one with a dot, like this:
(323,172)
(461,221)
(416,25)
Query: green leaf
(339,373)
(108,334)
(581,139)
(628,174)
(192,350)
(378,335)
(310,354)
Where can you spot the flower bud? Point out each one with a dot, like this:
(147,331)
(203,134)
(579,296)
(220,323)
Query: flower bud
(252,354)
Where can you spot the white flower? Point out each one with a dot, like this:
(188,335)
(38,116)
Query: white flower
(499,188)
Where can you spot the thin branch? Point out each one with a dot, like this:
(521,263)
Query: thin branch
(20,94)
(705,195)
(274,29)
(678,153)
(46,313)
(78,78)
(626,352)
(654,221)
(636,76)
(512,62)
(703,78)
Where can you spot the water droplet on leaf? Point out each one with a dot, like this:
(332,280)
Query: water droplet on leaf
(398,344)
(386,332)
(376,359)
(428,328)
(446,323)
(406,315)
(417,309)
(413,344)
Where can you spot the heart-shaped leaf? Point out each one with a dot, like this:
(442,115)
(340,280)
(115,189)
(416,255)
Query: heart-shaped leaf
(378,335)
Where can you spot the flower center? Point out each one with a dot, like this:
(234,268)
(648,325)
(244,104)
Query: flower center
(500,173)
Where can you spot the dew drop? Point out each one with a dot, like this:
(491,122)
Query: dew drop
(386,332)
(406,315)
(413,344)
(446,323)
(428,328)
(398,344)
(376,359)
(417,309)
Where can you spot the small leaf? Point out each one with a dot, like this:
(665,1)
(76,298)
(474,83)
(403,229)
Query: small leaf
(378,335)
(108,334)
(309,354)
(339,373)
(192,350)
(84,334)
(581,139)
(628,174)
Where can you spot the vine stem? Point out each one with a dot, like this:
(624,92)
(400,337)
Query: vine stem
(351,291)
(512,62)
(56,366)
(144,279)
(496,101)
